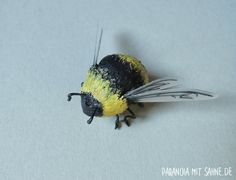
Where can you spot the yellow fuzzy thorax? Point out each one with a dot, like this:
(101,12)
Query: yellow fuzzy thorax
(137,65)
(112,103)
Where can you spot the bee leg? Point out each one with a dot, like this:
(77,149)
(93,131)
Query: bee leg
(131,112)
(117,123)
(127,117)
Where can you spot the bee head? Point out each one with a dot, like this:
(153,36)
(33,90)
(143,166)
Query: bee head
(90,105)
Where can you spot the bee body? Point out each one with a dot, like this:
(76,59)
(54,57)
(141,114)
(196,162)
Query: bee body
(109,80)
(119,80)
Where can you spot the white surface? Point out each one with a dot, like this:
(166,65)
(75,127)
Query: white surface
(46,48)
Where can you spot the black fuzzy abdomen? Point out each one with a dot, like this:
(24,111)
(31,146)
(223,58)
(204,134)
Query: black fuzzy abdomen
(121,75)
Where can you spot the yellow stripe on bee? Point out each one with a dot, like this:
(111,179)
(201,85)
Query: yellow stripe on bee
(137,65)
(112,103)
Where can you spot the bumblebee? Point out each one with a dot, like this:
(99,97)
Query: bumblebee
(118,81)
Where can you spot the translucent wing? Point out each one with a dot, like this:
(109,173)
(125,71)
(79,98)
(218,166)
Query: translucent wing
(159,84)
(166,90)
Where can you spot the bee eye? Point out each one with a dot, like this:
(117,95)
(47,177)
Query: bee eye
(82,84)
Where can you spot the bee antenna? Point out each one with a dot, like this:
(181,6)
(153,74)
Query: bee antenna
(97,47)
(69,96)
(91,118)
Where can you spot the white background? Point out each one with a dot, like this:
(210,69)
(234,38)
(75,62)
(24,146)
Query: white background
(46,47)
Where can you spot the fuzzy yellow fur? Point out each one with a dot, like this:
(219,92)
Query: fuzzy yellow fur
(112,104)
